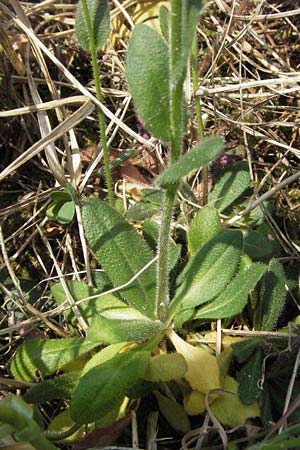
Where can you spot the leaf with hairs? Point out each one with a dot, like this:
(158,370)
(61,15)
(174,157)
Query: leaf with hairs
(147,72)
(271,297)
(257,245)
(47,356)
(209,270)
(17,416)
(99,16)
(173,412)
(60,387)
(230,186)
(102,387)
(234,298)
(122,253)
(123,324)
(204,225)
(249,377)
(199,156)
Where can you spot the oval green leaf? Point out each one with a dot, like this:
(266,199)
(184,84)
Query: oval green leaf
(230,186)
(123,324)
(122,253)
(205,225)
(147,72)
(46,357)
(209,270)
(234,298)
(271,297)
(99,16)
(103,387)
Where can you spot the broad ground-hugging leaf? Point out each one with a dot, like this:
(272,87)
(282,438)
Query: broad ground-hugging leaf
(209,270)
(121,323)
(105,385)
(60,387)
(271,297)
(45,357)
(122,253)
(199,156)
(234,297)
(79,291)
(204,225)
(16,417)
(99,15)
(147,72)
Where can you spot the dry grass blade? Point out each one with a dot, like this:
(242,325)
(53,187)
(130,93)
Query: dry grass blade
(56,133)
(70,101)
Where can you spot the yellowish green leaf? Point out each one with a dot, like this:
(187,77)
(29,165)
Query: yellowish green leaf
(229,409)
(203,372)
(171,366)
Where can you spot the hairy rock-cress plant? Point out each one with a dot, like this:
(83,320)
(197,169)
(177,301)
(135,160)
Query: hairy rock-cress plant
(137,320)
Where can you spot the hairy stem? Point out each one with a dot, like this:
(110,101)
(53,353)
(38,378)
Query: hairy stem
(101,117)
(175,82)
(176,121)
(199,116)
(163,298)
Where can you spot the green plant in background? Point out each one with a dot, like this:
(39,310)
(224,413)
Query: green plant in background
(131,309)
(62,206)
(92,29)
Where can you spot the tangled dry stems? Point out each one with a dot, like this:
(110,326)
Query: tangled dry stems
(248,84)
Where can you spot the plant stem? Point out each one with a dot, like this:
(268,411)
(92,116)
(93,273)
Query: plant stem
(101,117)
(176,122)
(163,298)
(199,116)
(175,83)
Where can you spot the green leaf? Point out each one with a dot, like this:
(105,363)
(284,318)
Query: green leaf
(99,15)
(122,253)
(60,387)
(244,349)
(209,270)
(249,377)
(101,388)
(257,245)
(18,416)
(47,356)
(123,324)
(104,355)
(164,21)
(234,298)
(199,156)
(62,207)
(272,297)
(163,368)
(230,186)
(205,225)
(66,213)
(229,409)
(60,196)
(184,315)
(141,211)
(174,413)
(80,290)
(147,72)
